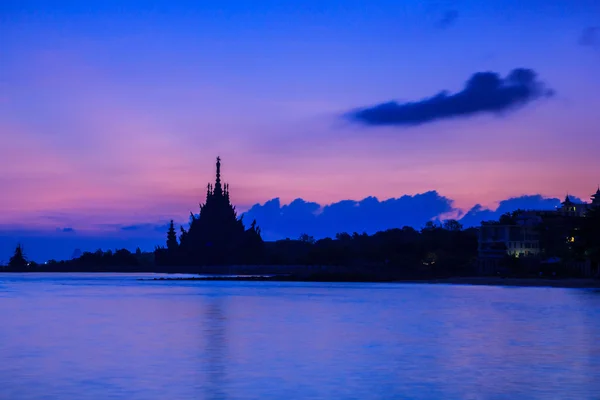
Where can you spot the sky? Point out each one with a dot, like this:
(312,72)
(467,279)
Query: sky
(112,113)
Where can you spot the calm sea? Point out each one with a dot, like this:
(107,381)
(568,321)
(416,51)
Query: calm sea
(109,336)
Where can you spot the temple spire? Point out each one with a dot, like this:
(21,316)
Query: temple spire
(596,197)
(218,188)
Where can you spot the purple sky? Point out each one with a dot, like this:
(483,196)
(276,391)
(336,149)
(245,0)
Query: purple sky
(112,114)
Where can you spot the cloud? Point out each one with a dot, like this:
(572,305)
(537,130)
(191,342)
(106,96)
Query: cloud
(368,215)
(484,92)
(590,37)
(146,227)
(448,19)
(66,230)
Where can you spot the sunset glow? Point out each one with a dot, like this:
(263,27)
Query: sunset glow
(114,114)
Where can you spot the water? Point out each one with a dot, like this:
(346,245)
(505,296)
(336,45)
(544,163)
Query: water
(108,336)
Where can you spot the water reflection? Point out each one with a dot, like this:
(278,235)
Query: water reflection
(69,337)
(215,335)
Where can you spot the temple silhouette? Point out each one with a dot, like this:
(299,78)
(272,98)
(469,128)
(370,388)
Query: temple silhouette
(216,236)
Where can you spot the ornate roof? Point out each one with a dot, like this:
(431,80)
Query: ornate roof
(596,196)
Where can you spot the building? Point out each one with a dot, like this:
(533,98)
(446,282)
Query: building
(595,199)
(519,236)
(216,236)
(572,209)
(496,241)
(569,208)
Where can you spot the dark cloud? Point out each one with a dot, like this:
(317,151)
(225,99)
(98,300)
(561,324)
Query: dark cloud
(66,230)
(484,92)
(368,215)
(146,227)
(131,228)
(448,19)
(590,37)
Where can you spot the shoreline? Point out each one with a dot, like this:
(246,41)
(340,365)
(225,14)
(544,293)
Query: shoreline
(567,283)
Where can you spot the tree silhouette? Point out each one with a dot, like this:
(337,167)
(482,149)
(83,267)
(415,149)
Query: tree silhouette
(429,226)
(452,225)
(307,238)
(172,244)
(510,218)
(18,259)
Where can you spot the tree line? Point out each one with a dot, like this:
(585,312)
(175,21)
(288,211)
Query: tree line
(436,250)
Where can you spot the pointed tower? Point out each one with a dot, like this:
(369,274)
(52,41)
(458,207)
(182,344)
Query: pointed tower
(568,208)
(596,198)
(218,188)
